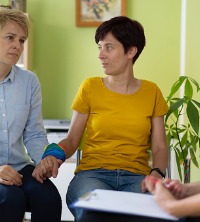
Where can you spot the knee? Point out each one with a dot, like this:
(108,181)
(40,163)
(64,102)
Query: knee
(77,213)
(47,194)
(12,198)
(78,186)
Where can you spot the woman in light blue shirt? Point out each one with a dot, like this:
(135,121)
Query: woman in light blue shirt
(22,134)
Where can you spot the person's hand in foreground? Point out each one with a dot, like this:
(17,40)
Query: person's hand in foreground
(9,176)
(175,186)
(162,195)
(180,200)
(48,167)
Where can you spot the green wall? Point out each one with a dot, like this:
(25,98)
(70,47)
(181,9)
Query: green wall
(64,55)
(193,54)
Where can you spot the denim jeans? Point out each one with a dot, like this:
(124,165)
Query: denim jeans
(89,180)
(41,199)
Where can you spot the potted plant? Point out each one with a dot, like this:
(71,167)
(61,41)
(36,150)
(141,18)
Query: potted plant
(182,124)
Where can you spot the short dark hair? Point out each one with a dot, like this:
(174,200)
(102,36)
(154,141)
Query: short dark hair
(130,33)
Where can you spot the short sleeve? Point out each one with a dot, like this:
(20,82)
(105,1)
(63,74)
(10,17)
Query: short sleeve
(161,107)
(81,102)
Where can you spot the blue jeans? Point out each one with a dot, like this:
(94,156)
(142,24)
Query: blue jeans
(89,180)
(42,200)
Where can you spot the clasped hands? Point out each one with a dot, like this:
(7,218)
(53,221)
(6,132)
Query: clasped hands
(155,185)
(166,192)
(48,167)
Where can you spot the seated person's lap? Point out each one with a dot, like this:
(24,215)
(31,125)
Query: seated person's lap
(89,180)
(30,196)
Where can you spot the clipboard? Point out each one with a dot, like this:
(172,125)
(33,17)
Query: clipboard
(122,202)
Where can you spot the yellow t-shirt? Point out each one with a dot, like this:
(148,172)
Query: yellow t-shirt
(119,125)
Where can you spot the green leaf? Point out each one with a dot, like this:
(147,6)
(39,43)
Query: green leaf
(184,138)
(181,130)
(195,83)
(182,78)
(194,141)
(193,157)
(185,154)
(197,103)
(193,116)
(199,142)
(188,89)
(169,138)
(175,135)
(174,107)
(176,86)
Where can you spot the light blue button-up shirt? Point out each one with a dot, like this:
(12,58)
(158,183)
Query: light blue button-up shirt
(22,134)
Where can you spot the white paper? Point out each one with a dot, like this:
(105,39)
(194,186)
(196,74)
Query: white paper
(122,202)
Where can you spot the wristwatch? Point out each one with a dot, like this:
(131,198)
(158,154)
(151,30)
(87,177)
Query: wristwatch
(158,170)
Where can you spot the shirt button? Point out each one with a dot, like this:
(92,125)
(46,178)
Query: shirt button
(1,100)
(4,131)
(4,115)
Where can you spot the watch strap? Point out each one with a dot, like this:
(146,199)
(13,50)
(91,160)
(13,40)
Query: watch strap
(159,171)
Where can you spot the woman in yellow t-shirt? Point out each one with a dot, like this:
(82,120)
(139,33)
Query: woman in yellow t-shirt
(123,117)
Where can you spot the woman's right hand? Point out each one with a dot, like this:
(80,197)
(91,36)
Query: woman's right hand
(9,176)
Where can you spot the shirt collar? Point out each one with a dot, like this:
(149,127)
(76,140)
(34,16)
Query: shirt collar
(11,75)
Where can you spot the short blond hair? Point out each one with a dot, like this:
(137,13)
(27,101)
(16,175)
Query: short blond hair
(13,15)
